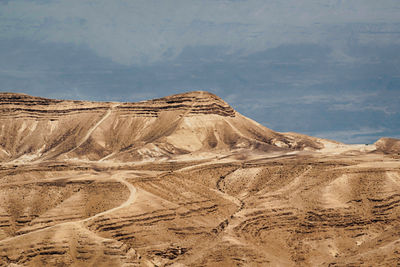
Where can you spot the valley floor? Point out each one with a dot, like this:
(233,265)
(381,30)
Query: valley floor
(304,209)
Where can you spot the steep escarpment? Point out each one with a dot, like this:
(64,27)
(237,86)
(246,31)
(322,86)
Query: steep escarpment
(192,103)
(31,127)
(24,106)
(23,99)
(34,128)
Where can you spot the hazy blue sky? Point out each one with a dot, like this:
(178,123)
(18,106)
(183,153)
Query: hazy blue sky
(325,68)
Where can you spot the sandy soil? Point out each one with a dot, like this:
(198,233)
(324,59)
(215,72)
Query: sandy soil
(302,210)
(187,181)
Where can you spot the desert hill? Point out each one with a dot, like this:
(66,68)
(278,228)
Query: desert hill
(185,180)
(36,128)
(388,145)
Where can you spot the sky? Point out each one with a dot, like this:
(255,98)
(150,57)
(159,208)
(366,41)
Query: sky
(327,68)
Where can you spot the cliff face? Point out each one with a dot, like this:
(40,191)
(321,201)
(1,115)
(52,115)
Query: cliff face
(35,128)
(192,103)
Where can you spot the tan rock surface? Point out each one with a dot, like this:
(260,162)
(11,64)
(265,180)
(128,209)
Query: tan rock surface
(185,180)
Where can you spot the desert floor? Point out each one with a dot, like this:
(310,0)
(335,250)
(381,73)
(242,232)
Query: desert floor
(277,209)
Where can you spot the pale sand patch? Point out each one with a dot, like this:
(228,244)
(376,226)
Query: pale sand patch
(339,148)
(378,164)
(53,125)
(337,193)
(392,183)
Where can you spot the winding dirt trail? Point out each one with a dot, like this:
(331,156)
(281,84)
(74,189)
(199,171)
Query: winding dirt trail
(131,199)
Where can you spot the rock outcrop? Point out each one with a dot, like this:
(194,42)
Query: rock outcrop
(388,145)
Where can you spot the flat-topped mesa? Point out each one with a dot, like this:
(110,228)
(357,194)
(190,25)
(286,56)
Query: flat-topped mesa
(192,103)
